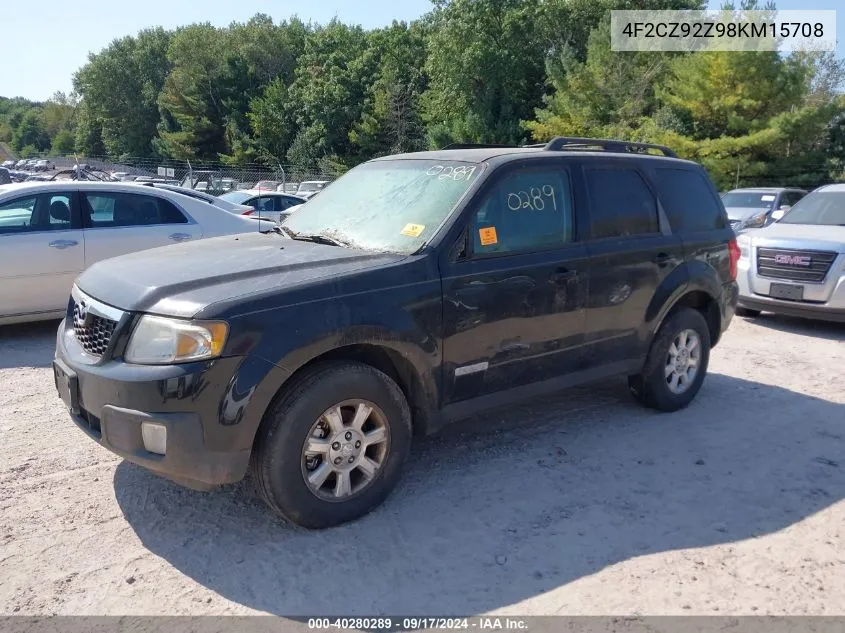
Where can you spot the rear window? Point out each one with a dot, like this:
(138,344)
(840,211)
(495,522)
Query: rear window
(689,200)
(621,204)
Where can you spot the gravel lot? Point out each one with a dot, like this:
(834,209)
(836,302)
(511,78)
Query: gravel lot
(582,503)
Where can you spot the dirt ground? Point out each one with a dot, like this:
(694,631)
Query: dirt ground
(582,503)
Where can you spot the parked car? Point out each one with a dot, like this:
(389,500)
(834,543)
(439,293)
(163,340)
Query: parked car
(5,176)
(310,188)
(267,185)
(9,164)
(754,208)
(21,164)
(50,232)
(796,266)
(289,187)
(417,289)
(266,205)
(221,202)
(44,165)
(31,164)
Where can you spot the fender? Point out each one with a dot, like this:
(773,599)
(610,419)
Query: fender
(277,343)
(691,276)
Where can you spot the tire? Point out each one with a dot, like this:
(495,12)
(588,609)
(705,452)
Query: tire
(747,312)
(652,387)
(279,466)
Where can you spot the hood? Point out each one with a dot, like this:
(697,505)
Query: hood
(743,213)
(182,279)
(801,236)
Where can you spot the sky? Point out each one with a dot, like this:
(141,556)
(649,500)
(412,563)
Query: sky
(54,37)
(55,43)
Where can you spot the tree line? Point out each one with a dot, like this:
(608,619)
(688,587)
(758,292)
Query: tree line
(484,71)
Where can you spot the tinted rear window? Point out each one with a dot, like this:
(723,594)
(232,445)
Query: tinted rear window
(689,200)
(621,204)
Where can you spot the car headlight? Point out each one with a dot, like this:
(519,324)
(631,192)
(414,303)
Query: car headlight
(756,221)
(159,340)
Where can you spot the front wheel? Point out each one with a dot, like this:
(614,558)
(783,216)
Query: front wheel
(676,364)
(333,445)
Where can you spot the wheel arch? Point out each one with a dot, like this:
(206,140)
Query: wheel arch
(694,285)
(418,387)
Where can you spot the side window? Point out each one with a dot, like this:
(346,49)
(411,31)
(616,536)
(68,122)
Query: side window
(689,200)
(58,210)
(17,216)
(621,204)
(114,209)
(264,203)
(285,203)
(527,210)
(45,212)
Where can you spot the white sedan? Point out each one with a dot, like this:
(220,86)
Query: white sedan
(268,205)
(50,232)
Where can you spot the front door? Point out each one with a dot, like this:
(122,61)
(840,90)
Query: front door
(41,252)
(514,299)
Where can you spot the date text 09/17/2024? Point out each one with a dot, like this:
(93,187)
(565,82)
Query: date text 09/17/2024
(418,623)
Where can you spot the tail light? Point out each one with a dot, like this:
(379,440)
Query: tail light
(249,211)
(734,251)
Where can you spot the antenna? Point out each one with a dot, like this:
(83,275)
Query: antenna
(284,178)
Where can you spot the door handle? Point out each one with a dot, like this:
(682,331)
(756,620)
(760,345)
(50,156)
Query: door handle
(662,258)
(62,244)
(562,275)
(179,237)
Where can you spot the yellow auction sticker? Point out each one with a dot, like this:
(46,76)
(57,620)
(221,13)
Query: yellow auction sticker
(488,236)
(413,230)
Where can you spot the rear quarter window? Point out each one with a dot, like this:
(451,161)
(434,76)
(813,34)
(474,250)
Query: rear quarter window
(689,200)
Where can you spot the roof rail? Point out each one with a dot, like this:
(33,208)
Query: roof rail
(609,145)
(473,145)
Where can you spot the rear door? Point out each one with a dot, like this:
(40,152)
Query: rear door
(117,222)
(632,250)
(41,252)
(514,297)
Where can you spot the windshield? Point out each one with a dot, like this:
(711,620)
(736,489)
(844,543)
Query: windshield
(823,208)
(749,199)
(235,197)
(388,205)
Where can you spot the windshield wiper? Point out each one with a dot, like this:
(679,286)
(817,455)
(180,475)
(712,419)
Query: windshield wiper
(317,238)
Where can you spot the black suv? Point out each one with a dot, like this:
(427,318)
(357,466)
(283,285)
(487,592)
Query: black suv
(414,290)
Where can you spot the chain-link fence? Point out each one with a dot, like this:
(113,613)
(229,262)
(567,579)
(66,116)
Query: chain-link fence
(212,177)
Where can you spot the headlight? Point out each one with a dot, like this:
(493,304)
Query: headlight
(756,221)
(159,341)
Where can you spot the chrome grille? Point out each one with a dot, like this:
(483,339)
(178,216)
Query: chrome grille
(94,323)
(794,265)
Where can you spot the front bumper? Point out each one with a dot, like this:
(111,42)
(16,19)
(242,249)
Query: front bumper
(823,301)
(211,410)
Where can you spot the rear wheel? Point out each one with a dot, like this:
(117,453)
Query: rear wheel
(747,312)
(676,364)
(333,445)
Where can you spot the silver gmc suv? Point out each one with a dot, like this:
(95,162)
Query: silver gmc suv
(796,266)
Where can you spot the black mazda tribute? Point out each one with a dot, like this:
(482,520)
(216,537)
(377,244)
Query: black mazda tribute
(414,290)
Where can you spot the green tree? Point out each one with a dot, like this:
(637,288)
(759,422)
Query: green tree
(486,70)
(63,143)
(120,86)
(329,90)
(391,119)
(59,113)
(31,132)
